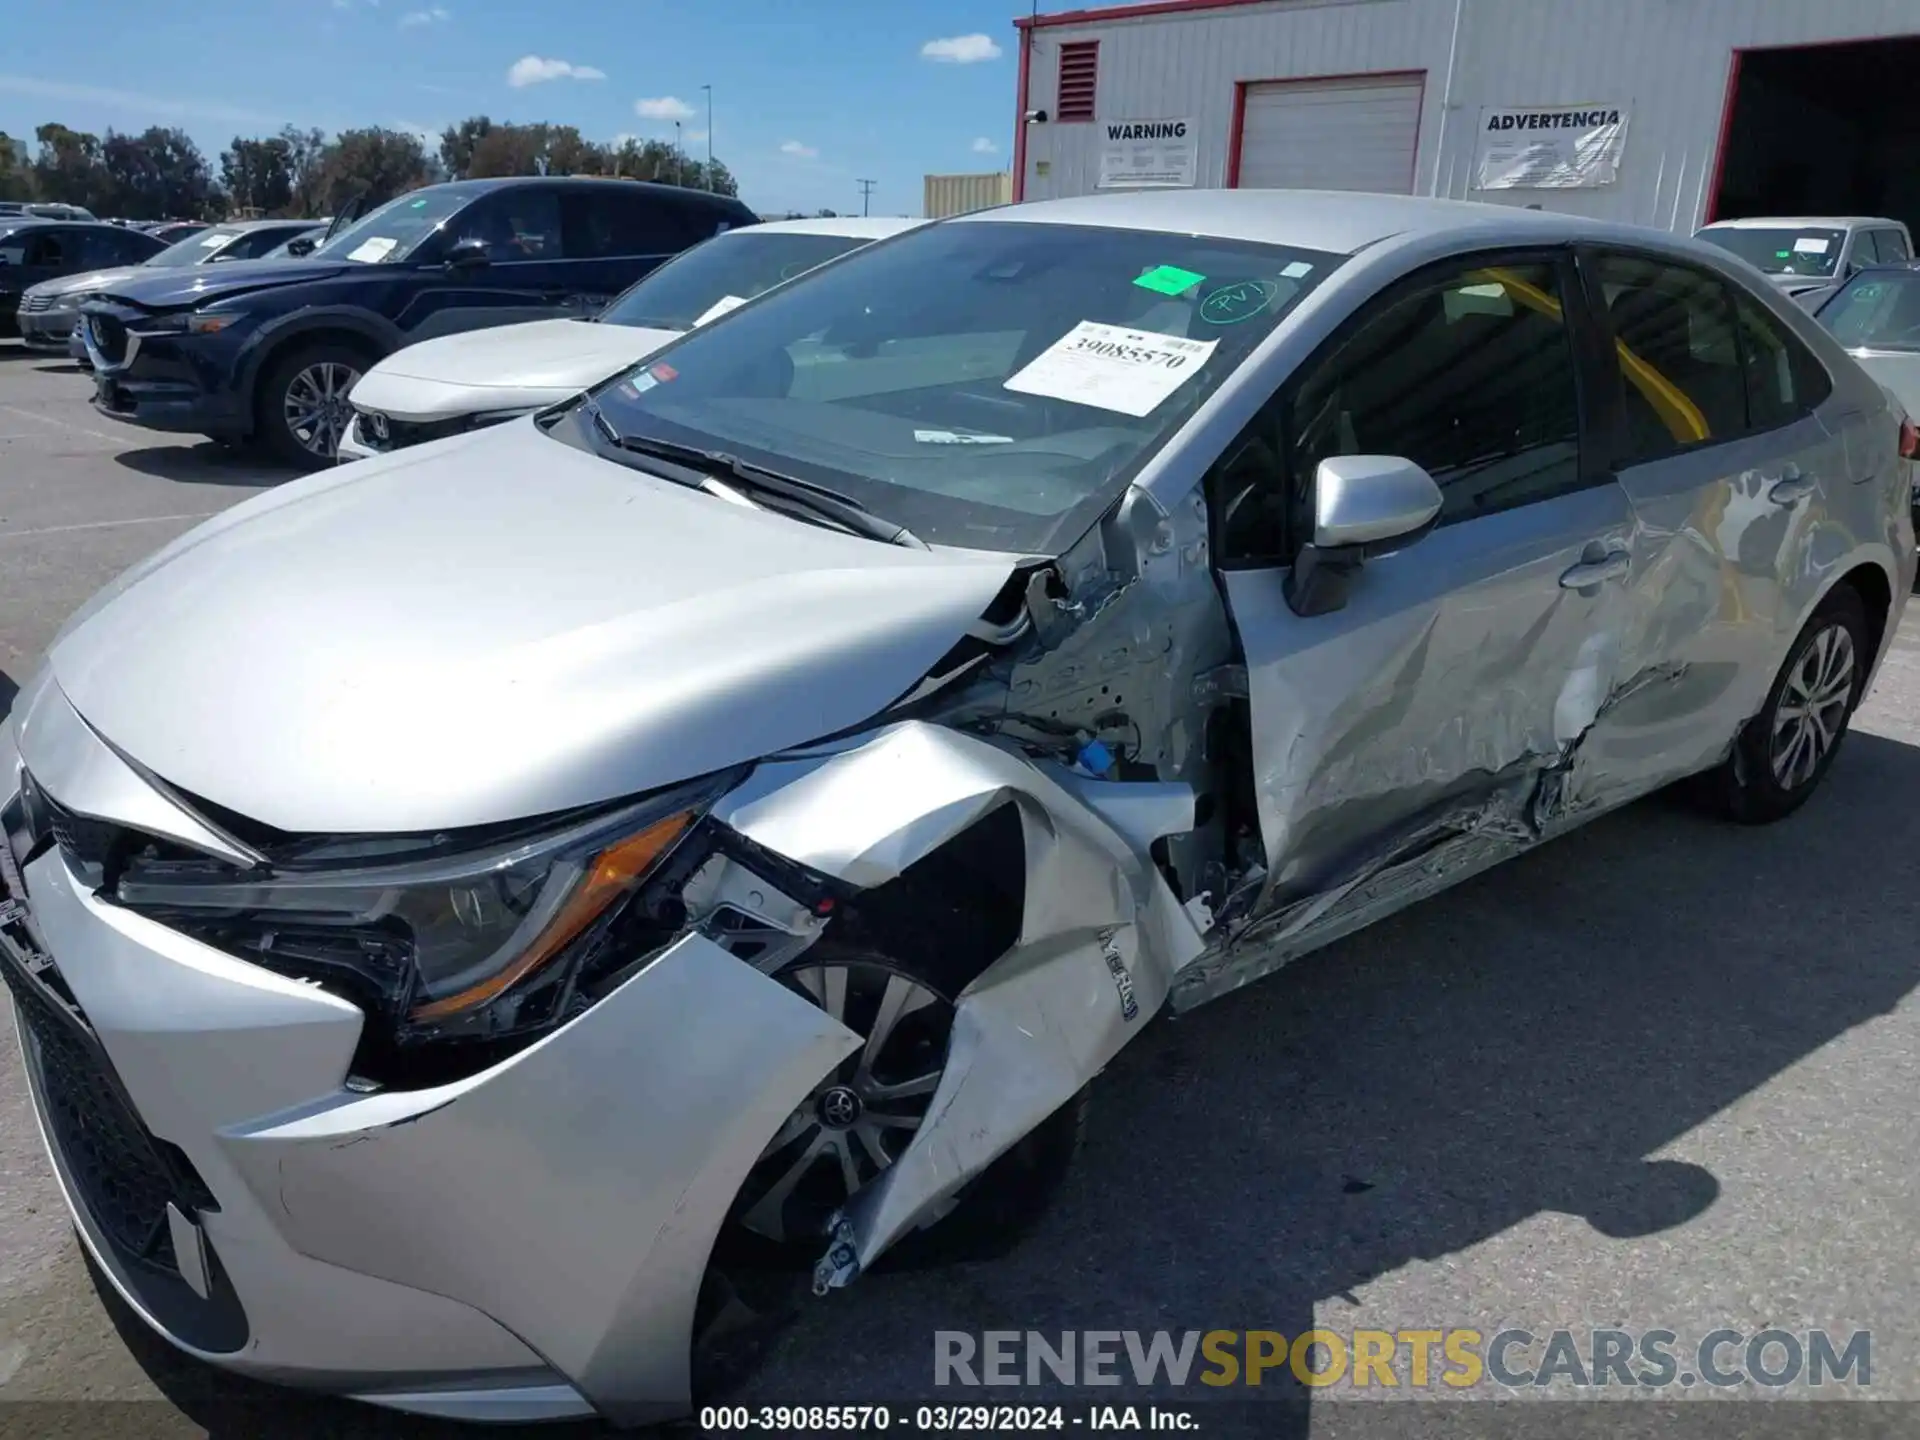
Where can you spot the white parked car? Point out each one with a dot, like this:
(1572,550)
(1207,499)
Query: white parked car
(1810,257)
(461,382)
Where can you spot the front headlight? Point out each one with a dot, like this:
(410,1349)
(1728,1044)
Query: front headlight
(71,300)
(188,322)
(437,948)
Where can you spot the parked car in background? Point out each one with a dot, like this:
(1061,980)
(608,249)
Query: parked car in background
(1809,257)
(172,230)
(269,351)
(49,310)
(468,901)
(1876,315)
(43,210)
(461,382)
(36,252)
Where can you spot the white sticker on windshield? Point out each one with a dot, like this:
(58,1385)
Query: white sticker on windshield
(371,251)
(209,241)
(721,307)
(1112,367)
(1294,269)
(1810,245)
(954,437)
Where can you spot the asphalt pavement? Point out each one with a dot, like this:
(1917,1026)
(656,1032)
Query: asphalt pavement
(1662,1074)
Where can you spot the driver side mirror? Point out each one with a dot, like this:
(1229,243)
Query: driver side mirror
(1363,506)
(469,254)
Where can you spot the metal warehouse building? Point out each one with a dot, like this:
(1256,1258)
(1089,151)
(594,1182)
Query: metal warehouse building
(1660,112)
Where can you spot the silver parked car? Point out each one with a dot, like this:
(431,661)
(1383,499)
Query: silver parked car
(468,907)
(1810,256)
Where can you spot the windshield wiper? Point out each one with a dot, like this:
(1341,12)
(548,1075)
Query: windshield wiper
(765,484)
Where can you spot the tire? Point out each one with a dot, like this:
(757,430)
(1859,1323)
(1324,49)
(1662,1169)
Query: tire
(312,381)
(870,1107)
(1784,752)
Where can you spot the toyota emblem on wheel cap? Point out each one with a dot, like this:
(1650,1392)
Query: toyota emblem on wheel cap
(839,1107)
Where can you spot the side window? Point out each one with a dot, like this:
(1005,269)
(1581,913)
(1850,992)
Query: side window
(625,223)
(1893,247)
(53,248)
(97,249)
(255,243)
(1682,383)
(1783,378)
(518,224)
(1470,376)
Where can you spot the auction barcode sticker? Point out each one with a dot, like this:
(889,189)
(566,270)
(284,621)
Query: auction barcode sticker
(1114,368)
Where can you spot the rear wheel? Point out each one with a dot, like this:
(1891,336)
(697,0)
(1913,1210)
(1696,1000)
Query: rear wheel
(1786,750)
(302,410)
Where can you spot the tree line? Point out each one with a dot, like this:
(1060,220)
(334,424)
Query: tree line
(160,174)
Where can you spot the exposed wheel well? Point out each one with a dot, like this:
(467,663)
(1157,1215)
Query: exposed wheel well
(1870,583)
(959,908)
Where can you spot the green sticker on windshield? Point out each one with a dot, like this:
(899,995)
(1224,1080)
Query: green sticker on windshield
(1783,254)
(416,205)
(1169,279)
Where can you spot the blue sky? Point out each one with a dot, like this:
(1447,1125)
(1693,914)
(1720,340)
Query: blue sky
(808,94)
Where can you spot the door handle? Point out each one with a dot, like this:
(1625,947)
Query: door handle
(1588,573)
(1792,487)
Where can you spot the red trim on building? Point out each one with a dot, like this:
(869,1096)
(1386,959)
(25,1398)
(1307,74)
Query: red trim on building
(1020,118)
(1234,128)
(1726,133)
(1129,12)
(1236,131)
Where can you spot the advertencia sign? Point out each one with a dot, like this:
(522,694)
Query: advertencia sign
(1141,153)
(1551,148)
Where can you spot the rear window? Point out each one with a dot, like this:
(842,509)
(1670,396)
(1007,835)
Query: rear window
(1786,251)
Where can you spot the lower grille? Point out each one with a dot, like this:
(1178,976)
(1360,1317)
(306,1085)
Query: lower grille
(125,1175)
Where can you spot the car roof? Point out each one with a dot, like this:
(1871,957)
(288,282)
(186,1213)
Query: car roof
(1797,222)
(583,182)
(1337,221)
(13,225)
(861,227)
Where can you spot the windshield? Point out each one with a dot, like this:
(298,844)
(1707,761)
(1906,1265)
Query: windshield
(1781,252)
(710,279)
(1877,310)
(985,384)
(397,228)
(200,246)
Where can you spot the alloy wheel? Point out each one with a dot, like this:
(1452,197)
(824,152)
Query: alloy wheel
(316,408)
(864,1114)
(1812,709)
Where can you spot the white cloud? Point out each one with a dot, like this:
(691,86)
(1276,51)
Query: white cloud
(663,107)
(134,103)
(984,146)
(533,69)
(439,14)
(798,151)
(961,49)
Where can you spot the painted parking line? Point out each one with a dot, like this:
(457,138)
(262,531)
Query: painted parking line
(114,440)
(106,524)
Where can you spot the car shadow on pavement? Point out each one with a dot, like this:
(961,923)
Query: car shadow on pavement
(206,463)
(1520,1045)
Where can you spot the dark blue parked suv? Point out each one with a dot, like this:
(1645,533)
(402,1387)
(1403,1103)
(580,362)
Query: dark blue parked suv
(267,350)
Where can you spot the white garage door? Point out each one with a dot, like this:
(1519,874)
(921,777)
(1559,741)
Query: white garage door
(1331,134)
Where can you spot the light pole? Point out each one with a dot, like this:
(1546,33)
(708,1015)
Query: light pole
(866,193)
(679,157)
(709,90)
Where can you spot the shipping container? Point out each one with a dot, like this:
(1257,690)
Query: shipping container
(957,194)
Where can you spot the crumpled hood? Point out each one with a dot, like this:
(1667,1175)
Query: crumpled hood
(167,287)
(87,281)
(506,367)
(496,627)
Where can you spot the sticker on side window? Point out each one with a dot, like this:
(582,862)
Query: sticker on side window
(1113,368)
(719,308)
(374,250)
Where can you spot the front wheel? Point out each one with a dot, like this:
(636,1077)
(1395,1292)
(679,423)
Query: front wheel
(302,408)
(862,1116)
(1786,750)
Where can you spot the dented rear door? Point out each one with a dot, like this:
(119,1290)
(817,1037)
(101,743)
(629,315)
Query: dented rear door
(1442,701)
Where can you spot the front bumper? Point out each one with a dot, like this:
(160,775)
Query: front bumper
(50,330)
(175,383)
(526,1242)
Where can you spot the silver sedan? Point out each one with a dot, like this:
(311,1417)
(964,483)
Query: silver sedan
(470,911)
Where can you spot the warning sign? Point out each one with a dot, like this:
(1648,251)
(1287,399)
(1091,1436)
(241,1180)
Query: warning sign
(1568,147)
